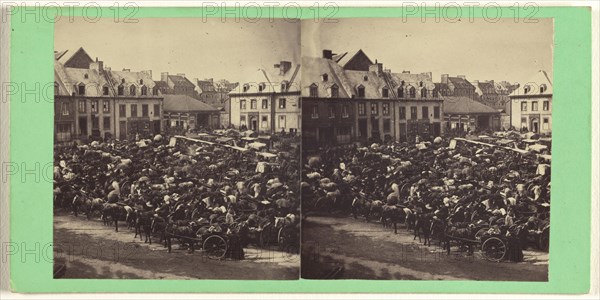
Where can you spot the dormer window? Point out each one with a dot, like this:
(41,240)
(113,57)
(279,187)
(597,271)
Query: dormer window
(313,90)
(412,92)
(144,90)
(261,87)
(81,89)
(132,90)
(85,76)
(246,87)
(420,83)
(401,91)
(284,86)
(122,80)
(423,93)
(155,91)
(402,83)
(366,78)
(385,92)
(121,90)
(105,90)
(141,81)
(543,88)
(526,89)
(335,91)
(325,77)
(361,91)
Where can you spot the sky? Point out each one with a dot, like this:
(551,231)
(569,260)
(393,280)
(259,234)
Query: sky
(211,48)
(199,49)
(480,50)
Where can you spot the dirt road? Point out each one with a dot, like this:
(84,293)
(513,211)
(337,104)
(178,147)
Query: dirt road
(367,251)
(91,250)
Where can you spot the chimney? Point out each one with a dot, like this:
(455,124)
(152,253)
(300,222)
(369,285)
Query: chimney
(462,77)
(126,70)
(428,74)
(377,68)
(405,72)
(284,66)
(327,54)
(97,65)
(164,76)
(445,78)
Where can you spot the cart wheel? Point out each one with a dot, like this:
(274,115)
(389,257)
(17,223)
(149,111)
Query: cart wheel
(480,233)
(544,240)
(493,249)
(215,247)
(281,239)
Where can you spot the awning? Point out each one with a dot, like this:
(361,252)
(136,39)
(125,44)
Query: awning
(257,145)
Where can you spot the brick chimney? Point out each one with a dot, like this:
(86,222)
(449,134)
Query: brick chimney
(462,77)
(283,66)
(376,67)
(164,76)
(126,70)
(444,78)
(327,54)
(97,65)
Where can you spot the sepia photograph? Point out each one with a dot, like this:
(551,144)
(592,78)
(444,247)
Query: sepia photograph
(177,149)
(426,149)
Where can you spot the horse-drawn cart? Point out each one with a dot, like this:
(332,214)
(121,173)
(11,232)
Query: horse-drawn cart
(493,245)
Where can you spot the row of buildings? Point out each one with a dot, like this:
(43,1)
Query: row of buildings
(334,99)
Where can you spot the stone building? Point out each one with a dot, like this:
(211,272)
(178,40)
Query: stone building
(531,105)
(185,112)
(92,101)
(349,98)
(457,86)
(176,85)
(463,114)
(269,102)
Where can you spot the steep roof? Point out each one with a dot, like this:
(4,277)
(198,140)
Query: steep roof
(351,57)
(272,81)
(161,84)
(181,80)
(206,86)
(184,103)
(460,83)
(69,78)
(533,85)
(485,88)
(466,105)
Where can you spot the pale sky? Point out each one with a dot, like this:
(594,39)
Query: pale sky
(480,50)
(236,50)
(197,48)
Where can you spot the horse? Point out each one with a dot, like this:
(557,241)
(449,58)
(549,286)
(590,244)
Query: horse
(185,233)
(423,226)
(392,214)
(143,223)
(112,211)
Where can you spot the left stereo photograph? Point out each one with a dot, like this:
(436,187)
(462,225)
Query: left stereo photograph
(177,149)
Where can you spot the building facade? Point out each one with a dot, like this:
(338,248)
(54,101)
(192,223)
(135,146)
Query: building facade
(95,102)
(457,86)
(463,114)
(182,112)
(348,98)
(531,105)
(268,103)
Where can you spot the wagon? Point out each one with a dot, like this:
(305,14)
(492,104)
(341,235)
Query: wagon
(493,246)
(215,246)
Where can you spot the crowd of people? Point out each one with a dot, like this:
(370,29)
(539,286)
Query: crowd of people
(461,183)
(205,186)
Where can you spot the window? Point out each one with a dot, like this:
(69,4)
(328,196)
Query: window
(435,93)
(374,109)
(157,110)
(546,105)
(134,110)
(542,88)
(413,112)
(81,89)
(265,104)
(325,77)
(284,86)
(385,93)
(105,90)
(331,111)
(412,92)
(253,104)
(386,125)
(402,111)
(420,83)
(106,123)
(423,93)
(242,120)
(436,112)
(366,78)
(64,109)
(315,112)
(523,106)
(242,104)
(385,109)
(313,91)
(282,103)
(335,91)
(144,90)
(345,113)
(546,124)
(144,110)
(523,122)
(261,87)
(361,91)
(246,87)
(95,122)
(425,112)
(264,122)
(105,106)
(141,81)
(132,90)
(85,76)
(362,109)
(400,92)
(526,89)
(155,91)
(94,107)
(82,106)
(122,111)
(534,105)
(281,121)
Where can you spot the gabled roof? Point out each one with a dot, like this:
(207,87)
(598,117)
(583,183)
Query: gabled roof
(314,68)
(181,80)
(534,84)
(347,58)
(206,86)
(485,88)
(465,106)
(69,78)
(271,81)
(184,103)
(161,84)
(460,83)
(79,59)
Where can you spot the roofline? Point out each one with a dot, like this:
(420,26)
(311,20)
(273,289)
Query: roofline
(297,93)
(374,99)
(530,96)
